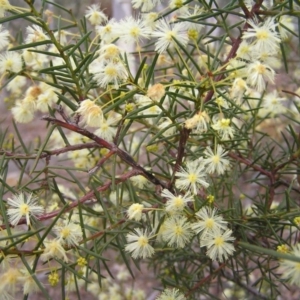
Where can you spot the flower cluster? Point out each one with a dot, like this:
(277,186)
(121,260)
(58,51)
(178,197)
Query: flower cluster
(194,176)
(214,234)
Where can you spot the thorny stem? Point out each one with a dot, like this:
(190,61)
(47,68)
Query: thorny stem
(185,132)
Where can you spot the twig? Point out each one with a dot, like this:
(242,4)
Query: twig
(101,161)
(205,280)
(291,93)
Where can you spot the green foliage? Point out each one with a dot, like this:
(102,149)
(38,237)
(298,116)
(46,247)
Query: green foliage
(170,142)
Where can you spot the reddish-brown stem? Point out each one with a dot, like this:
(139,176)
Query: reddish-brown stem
(184,135)
(244,8)
(91,194)
(270,175)
(291,93)
(250,164)
(112,147)
(100,233)
(235,45)
(51,152)
(205,280)
(294,157)
(102,161)
(85,198)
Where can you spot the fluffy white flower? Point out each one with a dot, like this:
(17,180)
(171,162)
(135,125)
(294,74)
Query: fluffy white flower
(135,211)
(22,206)
(15,85)
(109,73)
(191,16)
(54,249)
(218,243)
(108,32)
(272,105)
(287,25)
(61,36)
(222,126)
(139,181)
(264,35)
(21,112)
(108,52)
(258,74)
(46,99)
(5,5)
(291,269)
(177,231)
(68,233)
(11,62)
(166,34)
(156,92)
(150,19)
(144,5)
(91,113)
(244,51)
(236,68)
(8,283)
(176,4)
(35,34)
(105,130)
(4,38)
(208,220)
(132,30)
(238,89)
(192,177)
(138,244)
(175,203)
(95,15)
(171,294)
(215,162)
(198,123)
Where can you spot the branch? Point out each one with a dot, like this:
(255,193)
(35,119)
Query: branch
(90,194)
(270,175)
(205,280)
(184,135)
(52,152)
(250,164)
(110,146)
(245,286)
